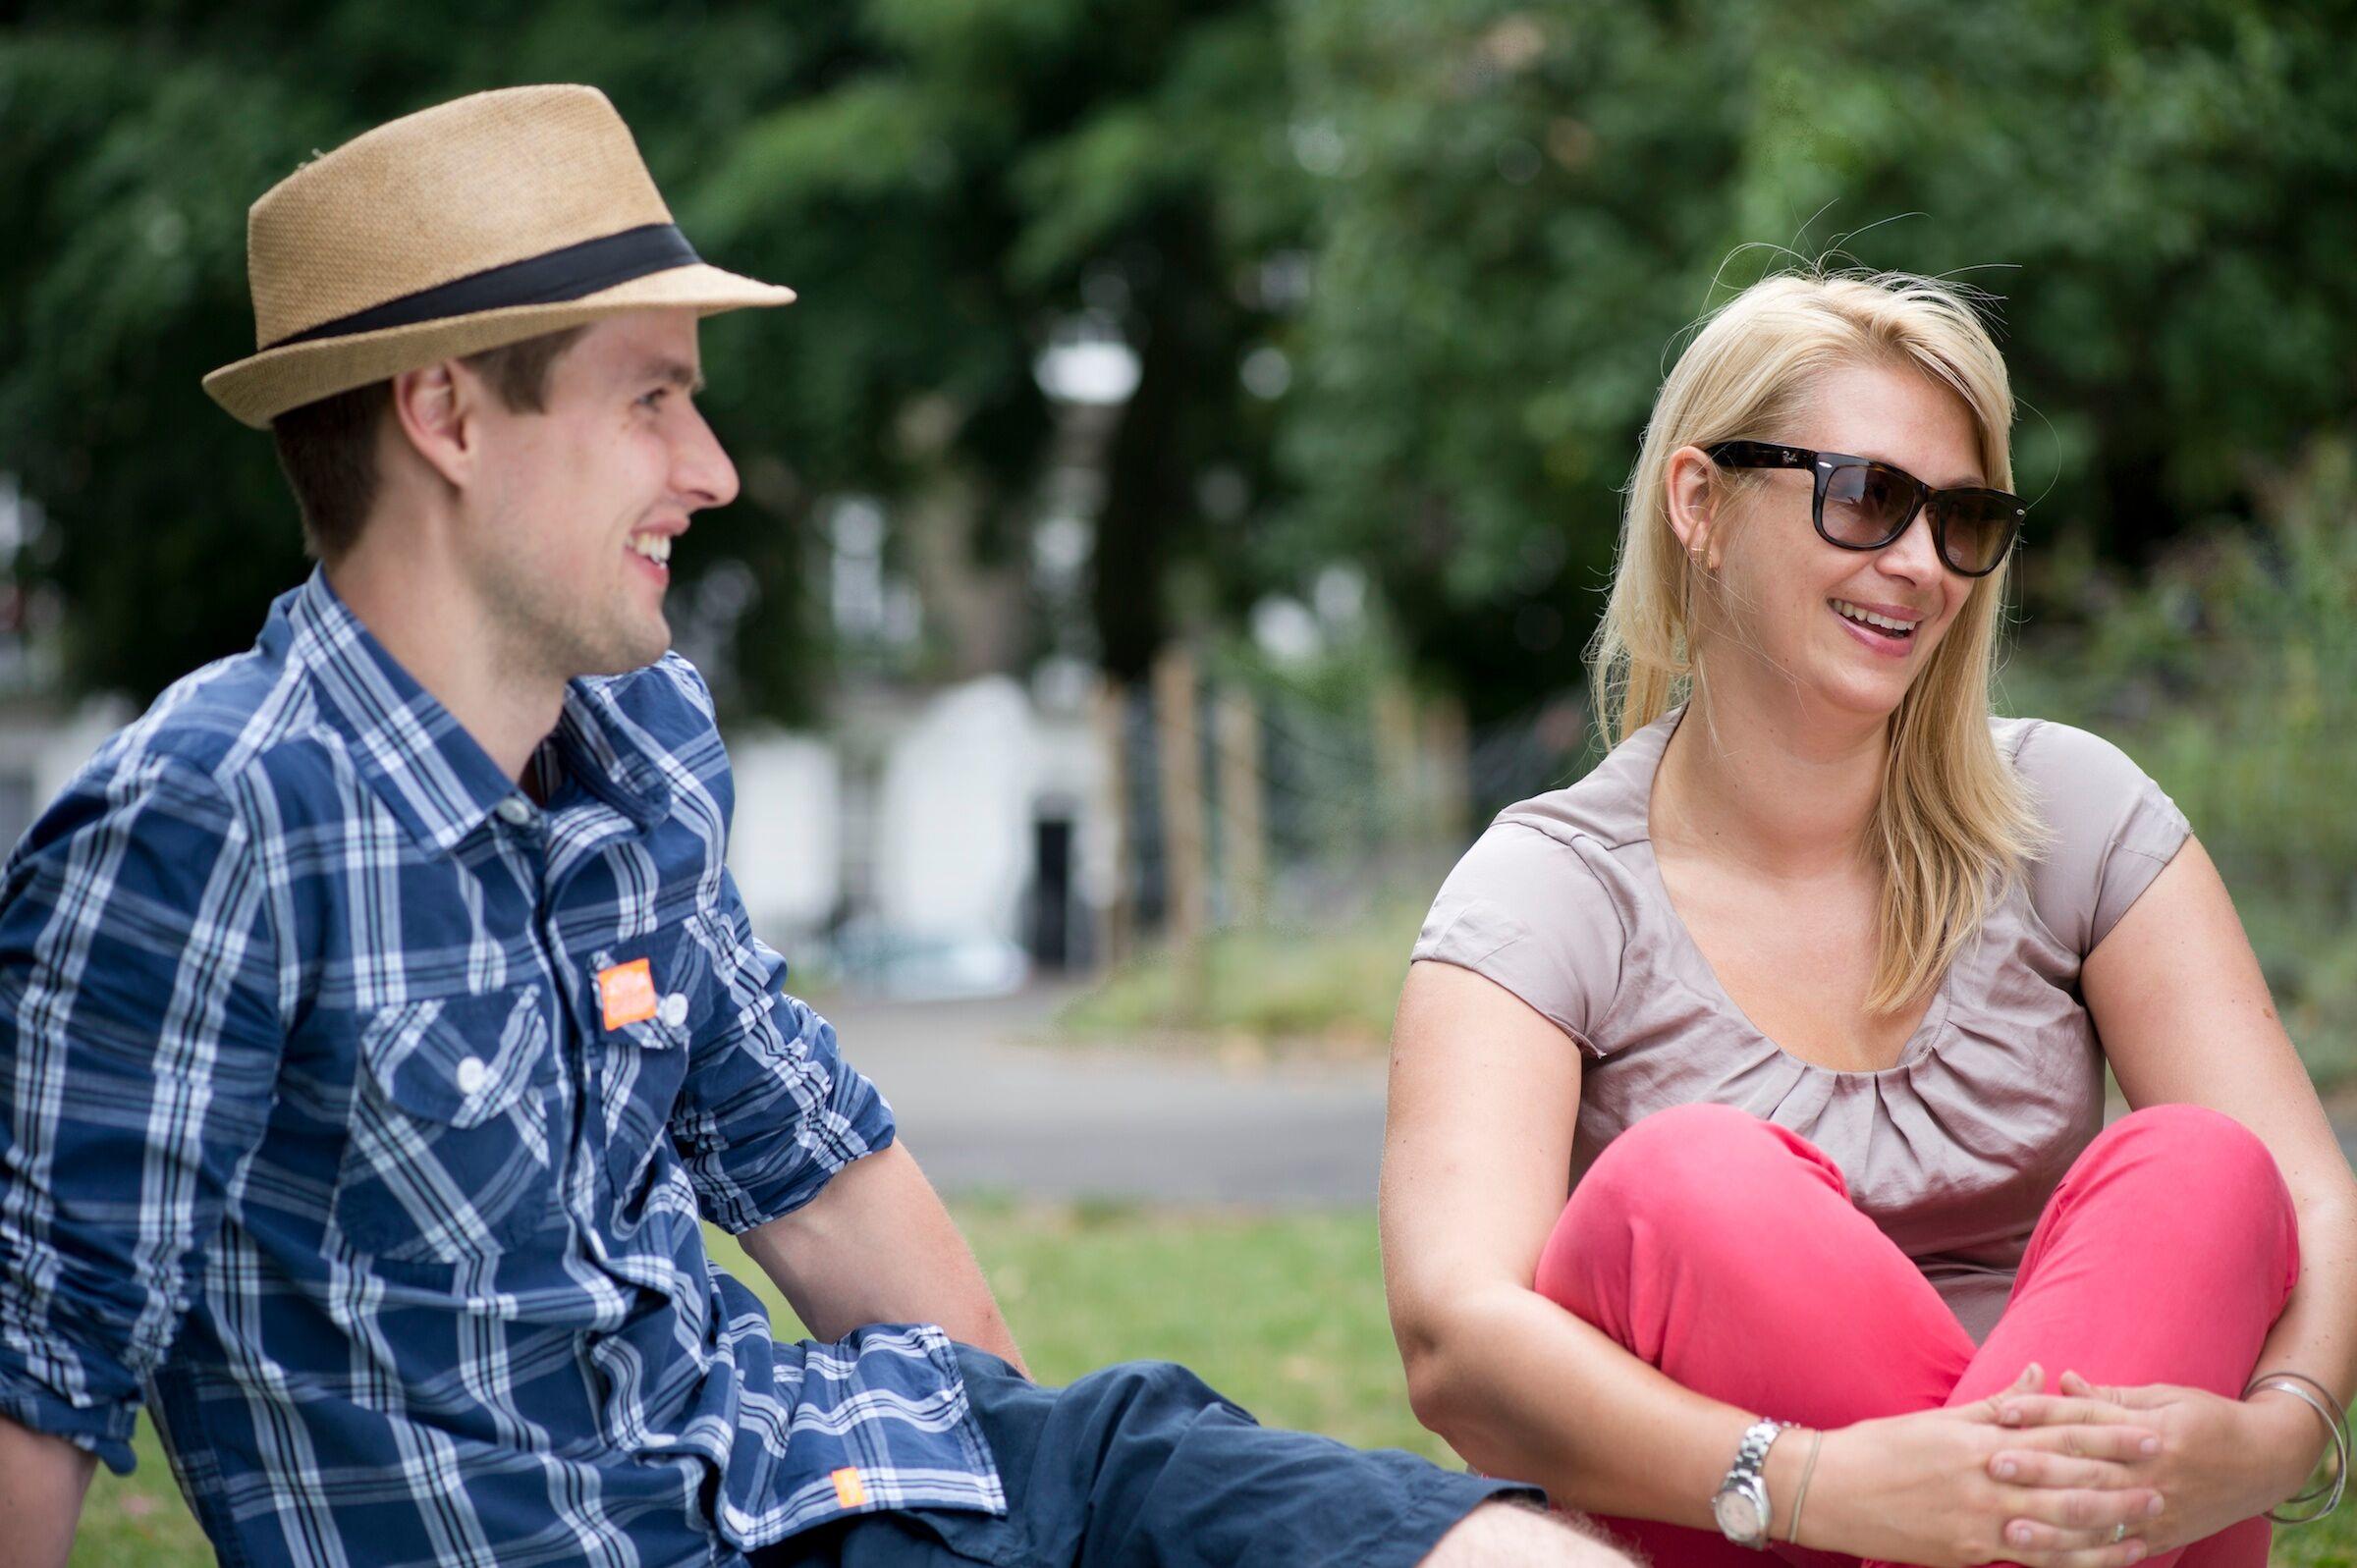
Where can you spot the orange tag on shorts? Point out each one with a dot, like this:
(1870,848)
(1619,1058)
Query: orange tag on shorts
(628,990)
(848,1491)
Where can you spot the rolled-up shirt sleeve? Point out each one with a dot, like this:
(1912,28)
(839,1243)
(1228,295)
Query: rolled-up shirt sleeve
(140,1042)
(770,1111)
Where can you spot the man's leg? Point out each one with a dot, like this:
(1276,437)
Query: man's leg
(1495,1535)
(1143,1466)
(1505,1535)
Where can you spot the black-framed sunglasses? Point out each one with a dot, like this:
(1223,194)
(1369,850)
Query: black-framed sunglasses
(1864,505)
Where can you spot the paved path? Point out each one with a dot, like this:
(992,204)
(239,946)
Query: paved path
(986,1108)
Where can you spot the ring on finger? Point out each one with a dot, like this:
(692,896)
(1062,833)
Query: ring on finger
(2119,1532)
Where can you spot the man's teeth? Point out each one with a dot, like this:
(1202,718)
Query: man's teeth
(656,547)
(1844,607)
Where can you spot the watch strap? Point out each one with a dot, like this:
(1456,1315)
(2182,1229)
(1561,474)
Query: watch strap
(1749,1475)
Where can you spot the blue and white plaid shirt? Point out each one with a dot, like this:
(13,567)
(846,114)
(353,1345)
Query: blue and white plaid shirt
(318,1125)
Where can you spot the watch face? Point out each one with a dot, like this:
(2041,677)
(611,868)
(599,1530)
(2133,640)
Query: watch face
(1738,1516)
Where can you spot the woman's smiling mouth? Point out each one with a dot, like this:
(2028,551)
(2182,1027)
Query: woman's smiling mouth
(1886,634)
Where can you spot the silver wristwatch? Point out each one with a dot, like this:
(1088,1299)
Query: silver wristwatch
(1742,1503)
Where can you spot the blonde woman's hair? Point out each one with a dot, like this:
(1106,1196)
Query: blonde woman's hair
(1950,823)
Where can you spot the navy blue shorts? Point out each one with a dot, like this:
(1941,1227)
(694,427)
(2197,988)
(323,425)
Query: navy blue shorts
(1143,1466)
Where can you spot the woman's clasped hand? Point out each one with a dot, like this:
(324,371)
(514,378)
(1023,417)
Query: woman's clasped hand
(2216,1461)
(1929,1486)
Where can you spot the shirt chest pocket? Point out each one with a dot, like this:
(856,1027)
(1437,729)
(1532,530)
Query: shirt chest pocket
(653,995)
(446,1159)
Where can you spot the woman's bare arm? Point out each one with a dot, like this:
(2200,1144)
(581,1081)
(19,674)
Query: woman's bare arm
(1476,1170)
(2184,1011)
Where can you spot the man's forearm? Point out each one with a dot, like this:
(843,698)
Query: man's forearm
(876,1246)
(41,1483)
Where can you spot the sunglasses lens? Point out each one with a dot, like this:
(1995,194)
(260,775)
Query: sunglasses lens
(1980,531)
(1863,504)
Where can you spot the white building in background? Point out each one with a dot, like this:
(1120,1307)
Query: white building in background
(954,808)
(937,844)
(786,840)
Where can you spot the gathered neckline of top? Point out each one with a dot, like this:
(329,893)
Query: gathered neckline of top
(1627,796)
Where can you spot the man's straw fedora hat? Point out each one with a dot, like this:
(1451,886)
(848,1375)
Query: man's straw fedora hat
(453,230)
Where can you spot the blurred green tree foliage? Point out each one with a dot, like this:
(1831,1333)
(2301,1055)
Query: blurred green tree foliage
(1522,206)
(2229,672)
(1403,274)
(942,180)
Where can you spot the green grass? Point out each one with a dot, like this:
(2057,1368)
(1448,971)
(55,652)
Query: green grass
(1331,988)
(1284,1314)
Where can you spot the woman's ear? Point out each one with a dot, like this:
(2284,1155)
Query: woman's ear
(1692,497)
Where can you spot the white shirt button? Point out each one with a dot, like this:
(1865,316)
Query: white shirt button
(471,1073)
(674,1009)
(515,810)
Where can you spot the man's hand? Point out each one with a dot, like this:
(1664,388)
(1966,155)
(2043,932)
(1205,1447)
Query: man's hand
(41,1483)
(876,1246)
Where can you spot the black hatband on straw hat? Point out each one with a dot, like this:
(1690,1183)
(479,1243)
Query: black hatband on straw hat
(567,273)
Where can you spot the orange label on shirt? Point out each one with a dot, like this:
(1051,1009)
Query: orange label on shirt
(848,1491)
(627,992)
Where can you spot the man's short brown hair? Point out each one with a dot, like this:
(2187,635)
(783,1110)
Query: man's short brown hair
(328,447)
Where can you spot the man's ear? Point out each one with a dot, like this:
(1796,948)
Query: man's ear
(438,412)
(1692,498)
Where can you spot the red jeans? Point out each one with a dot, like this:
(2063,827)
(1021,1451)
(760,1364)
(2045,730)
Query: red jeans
(1724,1251)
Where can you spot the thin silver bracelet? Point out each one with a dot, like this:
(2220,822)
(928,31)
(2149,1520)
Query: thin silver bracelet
(2330,1489)
(2338,1422)
(2331,1399)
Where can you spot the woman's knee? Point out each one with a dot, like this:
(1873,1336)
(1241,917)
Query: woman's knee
(1701,1217)
(1691,1178)
(1692,1160)
(2201,1169)
(2192,1147)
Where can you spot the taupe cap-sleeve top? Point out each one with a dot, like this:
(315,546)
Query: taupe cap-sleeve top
(1954,1151)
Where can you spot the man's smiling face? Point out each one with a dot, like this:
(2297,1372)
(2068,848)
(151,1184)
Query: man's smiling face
(568,544)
